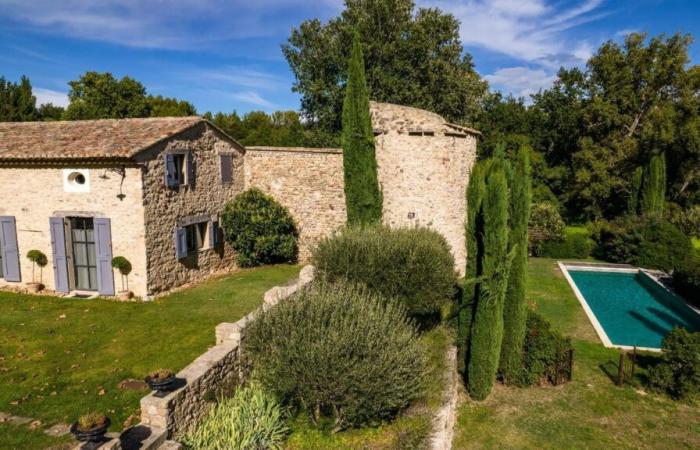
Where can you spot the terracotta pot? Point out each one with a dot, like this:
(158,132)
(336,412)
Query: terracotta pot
(33,288)
(125,295)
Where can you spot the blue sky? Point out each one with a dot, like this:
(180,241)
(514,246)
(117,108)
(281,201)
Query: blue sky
(224,55)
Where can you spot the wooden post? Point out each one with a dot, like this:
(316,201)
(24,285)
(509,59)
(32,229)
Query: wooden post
(634,361)
(621,369)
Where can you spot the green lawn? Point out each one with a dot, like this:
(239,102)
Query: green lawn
(590,412)
(60,358)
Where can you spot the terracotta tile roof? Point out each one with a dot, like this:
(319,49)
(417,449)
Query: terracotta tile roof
(87,139)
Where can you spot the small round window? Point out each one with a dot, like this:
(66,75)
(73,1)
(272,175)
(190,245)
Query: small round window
(76,178)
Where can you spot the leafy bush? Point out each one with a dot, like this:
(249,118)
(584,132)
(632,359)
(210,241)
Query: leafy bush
(413,265)
(577,244)
(643,241)
(122,265)
(542,350)
(686,279)
(251,419)
(678,373)
(259,229)
(38,258)
(686,219)
(339,351)
(545,225)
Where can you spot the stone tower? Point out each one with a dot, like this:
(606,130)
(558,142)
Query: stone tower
(424,164)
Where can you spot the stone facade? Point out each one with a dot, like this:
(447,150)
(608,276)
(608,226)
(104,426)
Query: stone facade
(34,194)
(308,182)
(165,208)
(423,168)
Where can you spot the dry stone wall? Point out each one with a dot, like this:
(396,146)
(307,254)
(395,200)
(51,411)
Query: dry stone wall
(308,182)
(165,208)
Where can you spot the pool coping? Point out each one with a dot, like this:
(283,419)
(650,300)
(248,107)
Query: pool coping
(587,309)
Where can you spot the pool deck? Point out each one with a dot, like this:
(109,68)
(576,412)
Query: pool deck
(595,267)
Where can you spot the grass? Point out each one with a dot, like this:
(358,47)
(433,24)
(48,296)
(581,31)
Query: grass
(408,431)
(590,412)
(61,358)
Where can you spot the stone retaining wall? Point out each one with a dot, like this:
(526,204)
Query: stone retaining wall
(217,368)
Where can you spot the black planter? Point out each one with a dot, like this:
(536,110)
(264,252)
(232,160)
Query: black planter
(160,386)
(94,435)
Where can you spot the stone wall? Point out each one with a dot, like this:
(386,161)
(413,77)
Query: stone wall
(165,208)
(34,194)
(217,368)
(308,182)
(423,168)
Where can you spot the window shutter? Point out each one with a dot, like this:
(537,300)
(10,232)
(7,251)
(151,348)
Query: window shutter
(103,239)
(191,172)
(58,249)
(170,171)
(213,234)
(226,162)
(10,250)
(180,239)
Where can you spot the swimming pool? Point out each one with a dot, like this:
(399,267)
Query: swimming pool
(627,307)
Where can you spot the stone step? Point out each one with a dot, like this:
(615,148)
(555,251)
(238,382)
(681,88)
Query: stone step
(170,445)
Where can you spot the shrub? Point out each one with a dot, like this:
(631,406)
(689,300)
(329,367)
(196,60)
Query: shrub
(577,244)
(260,230)
(686,279)
(91,420)
(124,267)
(678,373)
(38,259)
(337,350)
(546,224)
(643,241)
(251,419)
(413,265)
(542,350)
(686,219)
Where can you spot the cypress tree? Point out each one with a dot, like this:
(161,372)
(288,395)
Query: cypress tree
(362,196)
(633,201)
(473,234)
(515,309)
(654,187)
(487,326)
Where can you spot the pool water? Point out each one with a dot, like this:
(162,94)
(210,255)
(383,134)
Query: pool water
(633,309)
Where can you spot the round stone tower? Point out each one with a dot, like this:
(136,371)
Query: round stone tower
(424,164)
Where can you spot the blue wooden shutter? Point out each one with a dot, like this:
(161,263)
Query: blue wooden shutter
(191,170)
(180,239)
(58,249)
(226,162)
(171,180)
(213,234)
(10,250)
(103,239)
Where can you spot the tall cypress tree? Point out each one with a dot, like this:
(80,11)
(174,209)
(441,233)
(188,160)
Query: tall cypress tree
(515,309)
(487,326)
(362,196)
(473,233)
(654,187)
(635,188)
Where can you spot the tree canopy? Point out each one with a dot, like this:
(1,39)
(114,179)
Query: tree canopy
(412,57)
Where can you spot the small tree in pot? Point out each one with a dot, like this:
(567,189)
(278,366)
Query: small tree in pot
(124,267)
(91,427)
(38,259)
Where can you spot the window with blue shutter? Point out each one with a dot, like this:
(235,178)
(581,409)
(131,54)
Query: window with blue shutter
(103,241)
(58,250)
(213,234)
(191,169)
(9,250)
(180,240)
(176,166)
(226,163)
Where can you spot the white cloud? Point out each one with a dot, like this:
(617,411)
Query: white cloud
(521,81)
(44,96)
(253,98)
(170,24)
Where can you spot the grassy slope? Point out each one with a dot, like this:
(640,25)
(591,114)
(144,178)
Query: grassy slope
(589,412)
(60,358)
(398,434)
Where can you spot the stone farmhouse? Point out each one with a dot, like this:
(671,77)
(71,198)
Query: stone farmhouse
(151,190)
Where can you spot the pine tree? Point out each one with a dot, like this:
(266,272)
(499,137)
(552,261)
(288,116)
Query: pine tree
(636,186)
(362,196)
(487,326)
(654,187)
(515,309)
(473,231)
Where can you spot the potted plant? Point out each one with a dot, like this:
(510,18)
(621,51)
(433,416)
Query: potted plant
(124,267)
(160,380)
(91,427)
(38,259)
